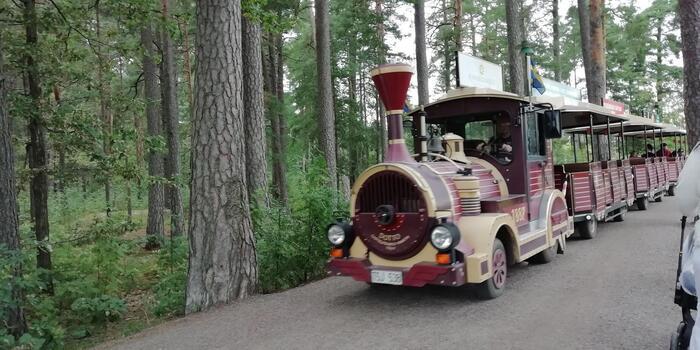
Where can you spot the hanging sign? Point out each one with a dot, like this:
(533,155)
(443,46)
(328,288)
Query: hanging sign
(614,106)
(475,72)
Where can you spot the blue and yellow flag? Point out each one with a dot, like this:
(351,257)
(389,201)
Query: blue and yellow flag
(536,78)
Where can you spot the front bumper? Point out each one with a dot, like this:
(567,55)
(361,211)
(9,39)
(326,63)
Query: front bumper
(416,276)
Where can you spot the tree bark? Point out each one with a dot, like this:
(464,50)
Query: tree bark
(584,20)
(253,103)
(187,66)
(36,149)
(381,59)
(597,89)
(9,217)
(222,263)
(276,95)
(105,112)
(516,61)
(326,116)
(457,25)
(154,225)
(421,55)
(171,122)
(659,76)
(556,45)
(689,13)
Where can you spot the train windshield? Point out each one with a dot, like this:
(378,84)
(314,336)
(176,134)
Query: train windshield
(491,136)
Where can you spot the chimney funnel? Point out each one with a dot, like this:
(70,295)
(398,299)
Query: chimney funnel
(392,82)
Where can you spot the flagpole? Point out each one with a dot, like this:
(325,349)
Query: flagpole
(525,48)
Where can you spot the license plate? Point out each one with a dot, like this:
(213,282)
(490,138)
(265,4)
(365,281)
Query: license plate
(387,277)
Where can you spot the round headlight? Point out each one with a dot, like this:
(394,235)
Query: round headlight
(336,234)
(441,237)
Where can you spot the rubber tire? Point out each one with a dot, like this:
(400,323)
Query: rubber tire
(588,229)
(487,290)
(545,256)
(671,191)
(659,199)
(674,342)
(642,203)
(621,217)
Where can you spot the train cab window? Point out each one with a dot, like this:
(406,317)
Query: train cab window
(491,136)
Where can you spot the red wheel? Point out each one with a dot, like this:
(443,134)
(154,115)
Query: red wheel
(500,269)
(494,286)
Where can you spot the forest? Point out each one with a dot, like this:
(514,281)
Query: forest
(158,158)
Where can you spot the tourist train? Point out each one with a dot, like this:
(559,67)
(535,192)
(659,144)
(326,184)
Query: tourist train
(482,190)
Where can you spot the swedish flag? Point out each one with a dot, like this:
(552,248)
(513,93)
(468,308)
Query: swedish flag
(536,78)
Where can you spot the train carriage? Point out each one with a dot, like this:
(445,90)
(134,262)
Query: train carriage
(596,190)
(483,197)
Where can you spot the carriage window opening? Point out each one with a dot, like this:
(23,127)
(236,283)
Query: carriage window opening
(533,135)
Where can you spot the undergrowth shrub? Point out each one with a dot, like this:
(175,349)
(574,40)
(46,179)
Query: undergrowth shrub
(291,242)
(169,291)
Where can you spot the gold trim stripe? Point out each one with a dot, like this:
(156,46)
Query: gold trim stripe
(394,111)
(392,68)
(397,141)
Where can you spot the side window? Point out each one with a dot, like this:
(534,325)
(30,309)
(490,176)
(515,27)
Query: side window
(533,135)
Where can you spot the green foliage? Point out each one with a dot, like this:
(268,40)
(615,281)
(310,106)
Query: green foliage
(100,310)
(291,243)
(169,291)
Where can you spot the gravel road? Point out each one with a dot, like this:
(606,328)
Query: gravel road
(612,292)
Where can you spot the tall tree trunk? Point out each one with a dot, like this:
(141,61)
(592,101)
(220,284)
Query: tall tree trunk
(584,20)
(171,122)
(105,112)
(275,110)
(381,59)
(457,25)
(222,263)
(597,78)
(16,323)
(326,116)
(154,226)
(421,56)
(37,153)
(556,45)
(689,13)
(516,63)
(187,65)
(254,112)
(659,77)
(447,54)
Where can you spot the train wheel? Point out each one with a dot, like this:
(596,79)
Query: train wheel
(588,229)
(660,198)
(494,286)
(546,255)
(621,217)
(671,191)
(643,203)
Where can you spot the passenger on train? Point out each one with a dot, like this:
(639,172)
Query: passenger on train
(664,151)
(650,151)
(634,154)
(500,145)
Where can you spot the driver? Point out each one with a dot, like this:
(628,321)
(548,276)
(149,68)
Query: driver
(500,145)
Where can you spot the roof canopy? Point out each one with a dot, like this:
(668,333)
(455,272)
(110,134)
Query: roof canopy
(578,114)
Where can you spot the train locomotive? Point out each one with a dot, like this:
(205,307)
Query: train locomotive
(461,216)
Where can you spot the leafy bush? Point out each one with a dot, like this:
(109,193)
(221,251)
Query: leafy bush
(291,244)
(100,310)
(172,278)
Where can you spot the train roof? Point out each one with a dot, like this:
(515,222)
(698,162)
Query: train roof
(577,114)
(453,103)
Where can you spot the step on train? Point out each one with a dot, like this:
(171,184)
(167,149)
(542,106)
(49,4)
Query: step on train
(483,191)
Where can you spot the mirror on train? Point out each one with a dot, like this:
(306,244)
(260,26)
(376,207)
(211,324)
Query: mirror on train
(552,124)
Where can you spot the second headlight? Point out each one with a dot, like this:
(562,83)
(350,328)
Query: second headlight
(444,236)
